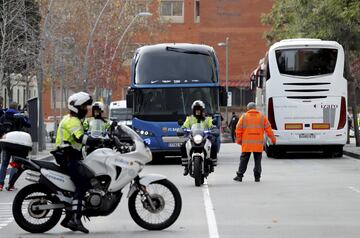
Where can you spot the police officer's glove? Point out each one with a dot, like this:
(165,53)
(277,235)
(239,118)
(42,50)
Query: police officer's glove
(215,131)
(94,141)
(107,142)
(180,132)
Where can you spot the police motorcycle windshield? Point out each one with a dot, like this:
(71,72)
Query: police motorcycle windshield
(197,129)
(97,128)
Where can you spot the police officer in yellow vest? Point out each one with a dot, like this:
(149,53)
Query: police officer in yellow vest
(97,125)
(70,139)
(198,110)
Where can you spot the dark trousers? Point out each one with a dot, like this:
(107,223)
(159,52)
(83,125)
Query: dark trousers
(244,160)
(80,175)
(233,135)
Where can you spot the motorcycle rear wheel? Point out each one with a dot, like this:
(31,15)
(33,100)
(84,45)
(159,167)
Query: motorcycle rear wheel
(167,200)
(29,219)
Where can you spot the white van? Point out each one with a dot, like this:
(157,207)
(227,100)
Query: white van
(119,112)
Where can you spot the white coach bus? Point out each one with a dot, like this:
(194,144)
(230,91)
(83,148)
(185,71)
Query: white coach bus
(301,88)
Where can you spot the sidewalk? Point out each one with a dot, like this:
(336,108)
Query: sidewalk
(45,154)
(351,149)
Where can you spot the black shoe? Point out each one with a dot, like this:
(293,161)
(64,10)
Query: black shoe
(186,171)
(257,179)
(75,224)
(238,178)
(211,168)
(66,220)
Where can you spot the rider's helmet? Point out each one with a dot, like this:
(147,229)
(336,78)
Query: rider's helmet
(198,108)
(78,102)
(97,109)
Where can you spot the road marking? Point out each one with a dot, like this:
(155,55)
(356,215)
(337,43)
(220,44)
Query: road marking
(210,215)
(6,216)
(354,189)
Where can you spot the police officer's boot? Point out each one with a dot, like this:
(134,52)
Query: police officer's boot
(66,220)
(213,163)
(185,163)
(75,224)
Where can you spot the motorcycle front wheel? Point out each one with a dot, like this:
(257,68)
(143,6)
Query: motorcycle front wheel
(198,176)
(30,219)
(166,208)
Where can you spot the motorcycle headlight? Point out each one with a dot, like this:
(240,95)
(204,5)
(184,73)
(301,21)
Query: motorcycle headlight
(198,139)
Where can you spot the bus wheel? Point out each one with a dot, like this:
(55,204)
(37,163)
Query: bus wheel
(338,153)
(270,151)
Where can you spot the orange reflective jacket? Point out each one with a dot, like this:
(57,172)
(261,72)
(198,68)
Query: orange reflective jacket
(250,131)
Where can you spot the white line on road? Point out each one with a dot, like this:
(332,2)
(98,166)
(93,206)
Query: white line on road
(354,189)
(210,215)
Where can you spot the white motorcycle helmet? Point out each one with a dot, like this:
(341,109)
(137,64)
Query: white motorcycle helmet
(98,105)
(198,105)
(76,103)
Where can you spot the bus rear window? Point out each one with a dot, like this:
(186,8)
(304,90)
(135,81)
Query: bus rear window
(306,62)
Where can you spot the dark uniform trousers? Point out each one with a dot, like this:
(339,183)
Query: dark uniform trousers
(244,160)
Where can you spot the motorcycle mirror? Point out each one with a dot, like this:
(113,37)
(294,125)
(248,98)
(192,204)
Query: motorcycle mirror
(180,121)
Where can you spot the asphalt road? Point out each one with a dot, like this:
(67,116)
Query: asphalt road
(301,196)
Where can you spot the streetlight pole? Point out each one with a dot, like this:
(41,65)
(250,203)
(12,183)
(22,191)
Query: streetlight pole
(226,45)
(141,14)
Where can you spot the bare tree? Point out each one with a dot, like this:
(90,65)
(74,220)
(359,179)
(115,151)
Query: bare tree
(19,46)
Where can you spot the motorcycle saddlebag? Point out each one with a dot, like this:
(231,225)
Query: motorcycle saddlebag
(17,143)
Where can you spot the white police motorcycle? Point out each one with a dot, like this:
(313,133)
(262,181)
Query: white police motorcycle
(154,202)
(198,149)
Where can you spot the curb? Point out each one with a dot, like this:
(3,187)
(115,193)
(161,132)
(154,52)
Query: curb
(352,154)
(42,157)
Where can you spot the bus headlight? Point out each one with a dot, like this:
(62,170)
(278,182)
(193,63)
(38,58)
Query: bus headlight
(143,132)
(198,139)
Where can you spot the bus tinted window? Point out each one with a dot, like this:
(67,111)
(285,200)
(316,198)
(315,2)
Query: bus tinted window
(306,62)
(167,104)
(172,67)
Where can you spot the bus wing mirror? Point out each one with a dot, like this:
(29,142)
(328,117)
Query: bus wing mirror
(260,78)
(223,97)
(129,99)
(180,121)
(252,83)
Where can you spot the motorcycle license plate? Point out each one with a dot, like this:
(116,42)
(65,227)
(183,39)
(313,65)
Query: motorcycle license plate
(307,136)
(174,144)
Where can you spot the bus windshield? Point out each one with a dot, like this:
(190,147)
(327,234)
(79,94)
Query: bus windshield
(175,66)
(306,62)
(168,104)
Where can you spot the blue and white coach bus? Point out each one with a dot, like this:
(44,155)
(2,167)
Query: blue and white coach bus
(302,90)
(166,79)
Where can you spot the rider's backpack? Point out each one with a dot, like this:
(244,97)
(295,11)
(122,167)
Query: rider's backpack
(8,124)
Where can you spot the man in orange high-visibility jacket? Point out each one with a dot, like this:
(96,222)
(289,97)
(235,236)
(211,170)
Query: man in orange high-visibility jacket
(250,135)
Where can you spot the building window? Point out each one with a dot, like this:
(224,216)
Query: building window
(18,96)
(172,11)
(197,11)
(141,6)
